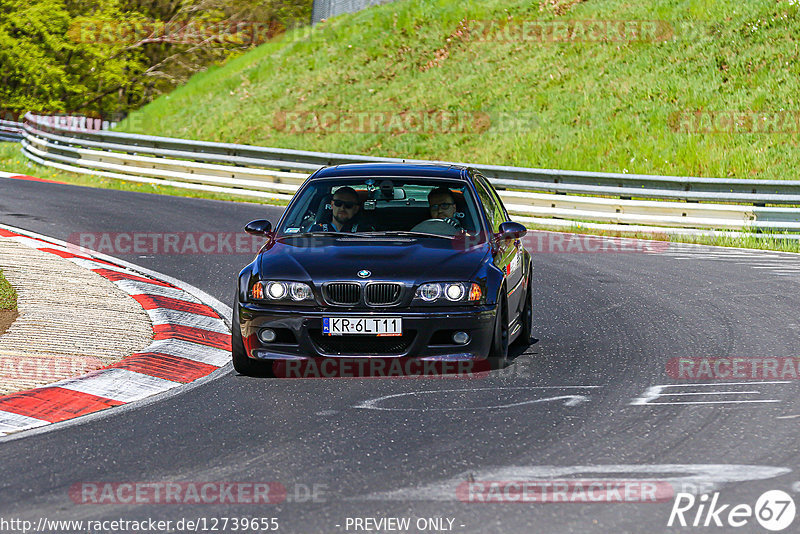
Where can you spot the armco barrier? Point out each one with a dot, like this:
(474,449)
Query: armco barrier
(10,131)
(661,202)
(323,9)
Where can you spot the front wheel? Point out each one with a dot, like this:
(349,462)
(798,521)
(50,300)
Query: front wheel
(498,352)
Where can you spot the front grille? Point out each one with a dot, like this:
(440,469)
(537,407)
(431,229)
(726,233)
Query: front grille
(383,293)
(343,293)
(364,345)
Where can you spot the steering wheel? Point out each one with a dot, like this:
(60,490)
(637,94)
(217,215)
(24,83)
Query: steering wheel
(436,226)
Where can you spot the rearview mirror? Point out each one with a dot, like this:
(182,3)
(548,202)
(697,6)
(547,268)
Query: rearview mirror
(511,230)
(258,227)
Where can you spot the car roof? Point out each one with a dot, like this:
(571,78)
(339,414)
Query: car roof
(428,170)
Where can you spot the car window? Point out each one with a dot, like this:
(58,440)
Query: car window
(492,208)
(384,205)
(498,201)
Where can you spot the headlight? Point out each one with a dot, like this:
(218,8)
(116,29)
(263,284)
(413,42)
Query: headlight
(276,290)
(283,291)
(300,291)
(429,292)
(449,292)
(454,292)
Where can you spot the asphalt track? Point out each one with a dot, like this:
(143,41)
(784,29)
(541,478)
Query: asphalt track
(608,323)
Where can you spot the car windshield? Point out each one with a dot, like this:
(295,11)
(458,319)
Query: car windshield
(384,206)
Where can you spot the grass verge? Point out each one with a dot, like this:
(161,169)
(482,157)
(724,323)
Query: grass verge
(8,304)
(8,297)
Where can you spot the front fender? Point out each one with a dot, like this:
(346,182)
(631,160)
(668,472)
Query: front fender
(247,277)
(494,281)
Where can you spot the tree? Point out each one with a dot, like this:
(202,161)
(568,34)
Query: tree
(107,57)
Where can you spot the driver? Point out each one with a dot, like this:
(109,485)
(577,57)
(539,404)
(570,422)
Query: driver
(345,205)
(443,206)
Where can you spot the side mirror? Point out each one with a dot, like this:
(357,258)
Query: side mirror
(511,230)
(258,227)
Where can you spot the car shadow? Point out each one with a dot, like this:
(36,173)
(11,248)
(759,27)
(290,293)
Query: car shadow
(516,350)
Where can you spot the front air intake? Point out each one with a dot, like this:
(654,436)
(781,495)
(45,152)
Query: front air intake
(383,294)
(343,293)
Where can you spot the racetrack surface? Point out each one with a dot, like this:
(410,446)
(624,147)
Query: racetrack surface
(608,324)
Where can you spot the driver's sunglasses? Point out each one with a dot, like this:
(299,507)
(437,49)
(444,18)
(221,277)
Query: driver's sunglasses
(346,203)
(443,205)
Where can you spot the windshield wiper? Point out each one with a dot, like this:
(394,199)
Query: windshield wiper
(387,233)
(288,236)
(406,233)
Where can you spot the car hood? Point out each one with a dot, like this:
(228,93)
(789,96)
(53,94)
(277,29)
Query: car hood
(407,259)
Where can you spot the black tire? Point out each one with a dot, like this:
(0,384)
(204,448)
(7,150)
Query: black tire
(244,365)
(498,351)
(525,337)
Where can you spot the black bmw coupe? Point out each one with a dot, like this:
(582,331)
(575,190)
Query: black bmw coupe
(405,262)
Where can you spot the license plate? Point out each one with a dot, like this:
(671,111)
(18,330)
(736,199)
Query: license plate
(380,326)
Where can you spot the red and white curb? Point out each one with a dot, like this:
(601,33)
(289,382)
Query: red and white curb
(190,341)
(17,176)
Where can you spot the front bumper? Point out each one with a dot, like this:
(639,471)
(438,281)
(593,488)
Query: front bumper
(426,334)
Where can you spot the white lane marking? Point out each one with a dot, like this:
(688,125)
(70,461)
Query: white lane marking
(570,400)
(134,287)
(12,422)
(690,478)
(712,393)
(777,263)
(190,351)
(710,402)
(161,316)
(773,263)
(117,384)
(751,383)
(656,392)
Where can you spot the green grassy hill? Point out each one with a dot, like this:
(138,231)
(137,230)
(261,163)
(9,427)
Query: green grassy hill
(577,104)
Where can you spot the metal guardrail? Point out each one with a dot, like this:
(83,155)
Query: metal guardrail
(530,194)
(323,9)
(10,131)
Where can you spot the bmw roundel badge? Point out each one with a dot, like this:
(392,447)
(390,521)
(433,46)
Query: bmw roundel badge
(363,273)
